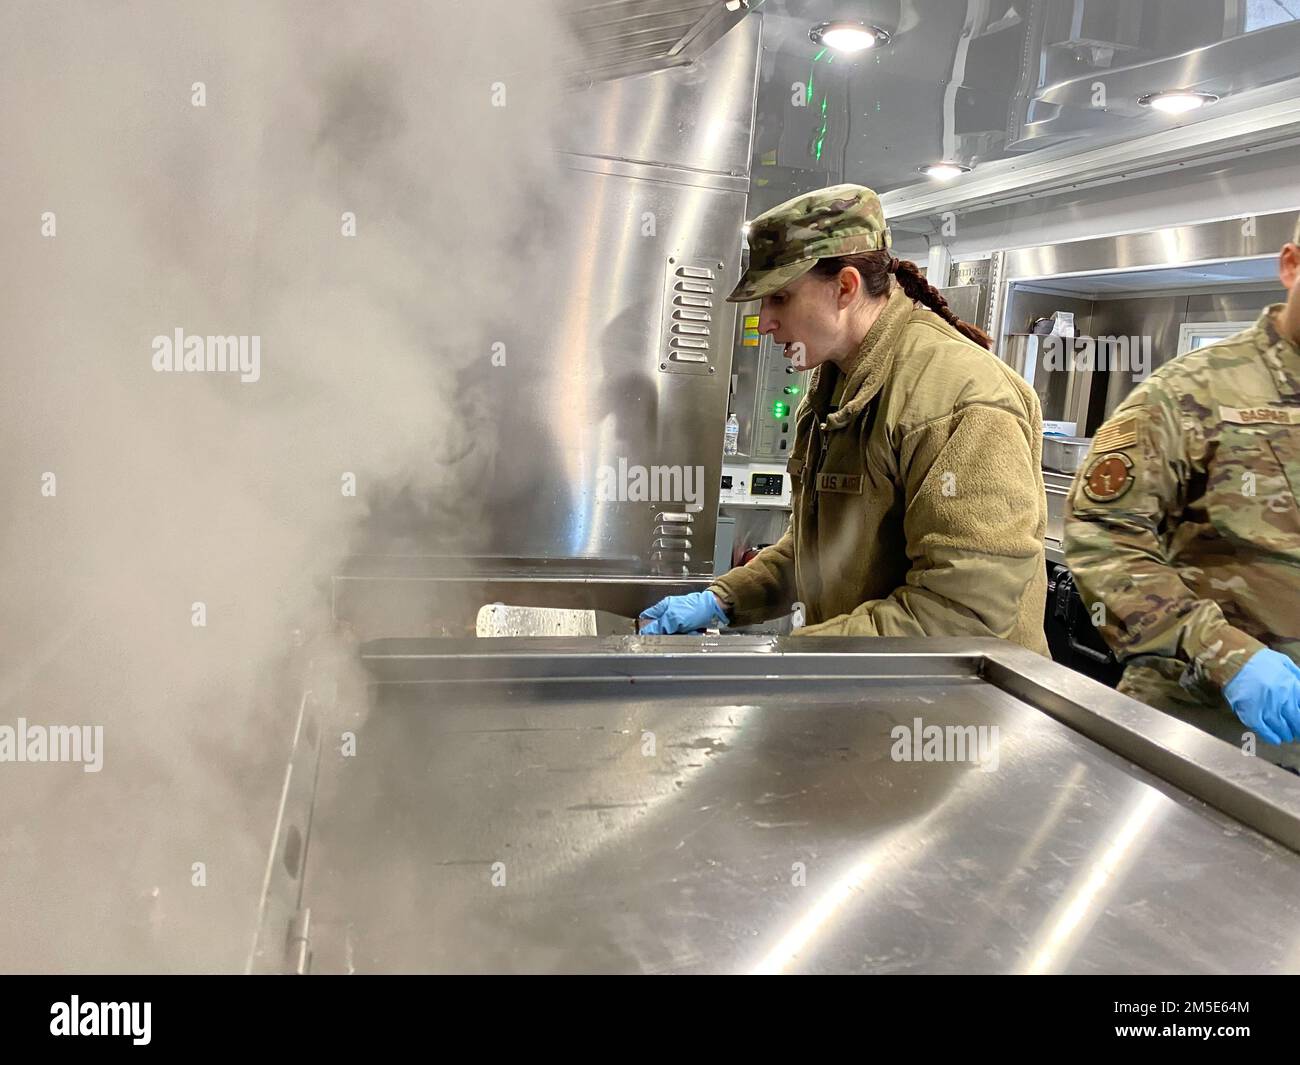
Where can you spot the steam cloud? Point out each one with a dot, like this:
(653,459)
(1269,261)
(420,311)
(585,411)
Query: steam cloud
(174,488)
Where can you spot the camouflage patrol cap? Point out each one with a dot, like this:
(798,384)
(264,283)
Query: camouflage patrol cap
(786,242)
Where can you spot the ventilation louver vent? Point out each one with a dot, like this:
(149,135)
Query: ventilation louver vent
(689,312)
(670,548)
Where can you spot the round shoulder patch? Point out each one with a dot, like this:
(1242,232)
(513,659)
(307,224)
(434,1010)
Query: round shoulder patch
(1108,477)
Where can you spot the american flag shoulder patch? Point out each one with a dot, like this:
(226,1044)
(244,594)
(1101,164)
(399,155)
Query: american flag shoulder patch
(1116,435)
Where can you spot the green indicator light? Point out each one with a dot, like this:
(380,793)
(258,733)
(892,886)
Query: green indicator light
(791,390)
(780,409)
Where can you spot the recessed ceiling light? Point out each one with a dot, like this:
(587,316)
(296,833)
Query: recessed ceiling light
(847,36)
(945,171)
(1176,101)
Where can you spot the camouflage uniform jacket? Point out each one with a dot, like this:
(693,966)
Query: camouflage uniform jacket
(1183,523)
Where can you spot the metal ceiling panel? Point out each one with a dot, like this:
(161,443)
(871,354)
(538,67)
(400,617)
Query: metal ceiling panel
(1017,89)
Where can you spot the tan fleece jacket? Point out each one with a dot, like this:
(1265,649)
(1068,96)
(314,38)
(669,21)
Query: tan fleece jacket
(918,506)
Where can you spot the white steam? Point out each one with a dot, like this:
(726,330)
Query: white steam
(178,488)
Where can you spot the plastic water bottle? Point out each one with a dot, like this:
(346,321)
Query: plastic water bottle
(731,445)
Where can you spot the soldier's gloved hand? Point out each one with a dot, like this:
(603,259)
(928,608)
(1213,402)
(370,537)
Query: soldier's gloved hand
(1265,694)
(683,613)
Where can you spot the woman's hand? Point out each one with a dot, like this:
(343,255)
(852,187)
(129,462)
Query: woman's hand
(683,613)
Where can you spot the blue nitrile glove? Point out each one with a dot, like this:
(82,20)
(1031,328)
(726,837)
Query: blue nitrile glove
(1265,694)
(683,613)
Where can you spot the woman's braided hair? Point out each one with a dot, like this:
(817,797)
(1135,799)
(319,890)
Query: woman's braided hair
(875,268)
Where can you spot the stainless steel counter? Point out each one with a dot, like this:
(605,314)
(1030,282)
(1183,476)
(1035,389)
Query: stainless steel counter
(733,804)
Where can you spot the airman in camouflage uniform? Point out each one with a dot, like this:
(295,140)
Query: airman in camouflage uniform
(1183,522)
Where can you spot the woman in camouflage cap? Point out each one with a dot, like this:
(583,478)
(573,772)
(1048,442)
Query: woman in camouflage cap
(918,506)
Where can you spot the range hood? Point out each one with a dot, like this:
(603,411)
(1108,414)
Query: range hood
(619,38)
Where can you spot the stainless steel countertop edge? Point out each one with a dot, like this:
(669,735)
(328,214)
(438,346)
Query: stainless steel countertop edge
(1261,795)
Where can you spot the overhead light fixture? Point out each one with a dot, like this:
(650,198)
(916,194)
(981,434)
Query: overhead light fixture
(845,35)
(944,171)
(1176,101)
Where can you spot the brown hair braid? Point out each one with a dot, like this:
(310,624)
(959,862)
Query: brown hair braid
(874,267)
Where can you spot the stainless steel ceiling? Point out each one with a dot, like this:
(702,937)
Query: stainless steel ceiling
(980,81)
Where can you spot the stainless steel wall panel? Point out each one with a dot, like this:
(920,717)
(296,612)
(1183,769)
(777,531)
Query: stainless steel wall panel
(1157,317)
(1160,318)
(606,376)
(658,175)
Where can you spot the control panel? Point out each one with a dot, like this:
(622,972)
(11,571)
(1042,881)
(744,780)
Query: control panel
(767,392)
(757,485)
(780,390)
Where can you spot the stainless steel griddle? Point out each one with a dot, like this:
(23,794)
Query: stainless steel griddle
(730,804)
